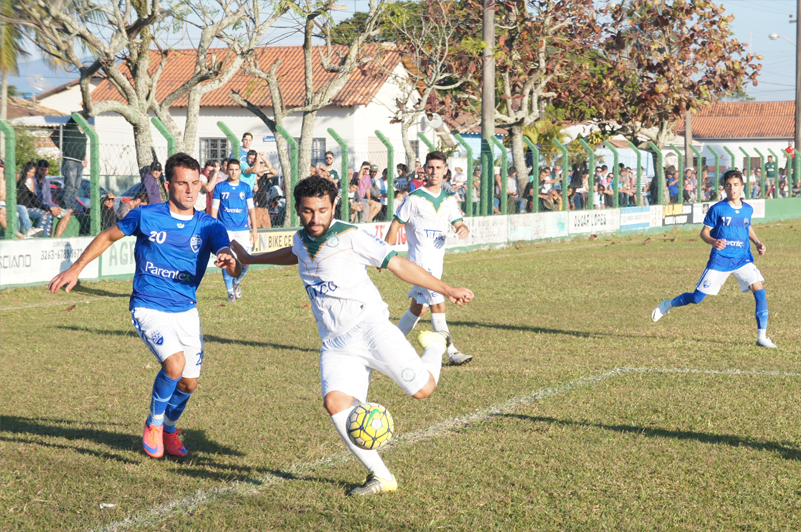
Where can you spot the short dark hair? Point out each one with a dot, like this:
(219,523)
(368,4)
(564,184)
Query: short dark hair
(252,152)
(436,156)
(314,187)
(365,163)
(329,153)
(42,163)
(733,174)
(209,163)
(180,160)
(234,161)
(247,134)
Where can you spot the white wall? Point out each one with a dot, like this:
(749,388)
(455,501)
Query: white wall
(763,145)
(67,101)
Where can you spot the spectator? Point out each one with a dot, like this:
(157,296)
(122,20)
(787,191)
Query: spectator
(459,179)
(707,190)
(329,165)
(210,176)
(419,179)
(277,205)
(223,172)
(571,198)
(153,184)
(355,200)
(251,170)
(402,180)
(381,183)
(552,201)
(375,193)
(770,170)
(447,186)
(400,195)
(512,195)
(107,215)
(127,205)
(756,181)
(790,150)
(672,184)
(24,227)
(363,191)
(690,184)
(74,160)
(43,190)
(784,190)
(244,148)
(39,214)
(528,196)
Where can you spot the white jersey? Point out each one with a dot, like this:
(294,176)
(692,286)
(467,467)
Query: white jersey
(427,217)
(333,268)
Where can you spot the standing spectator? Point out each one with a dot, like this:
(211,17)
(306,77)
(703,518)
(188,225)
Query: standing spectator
(127,205)
(690,184)
(329,165)
(208,180)
(790,150)
(244,148)
(770,170)
(402,179)
(756,181)
(107,215)
(381,186)
(356,204)
(363,190)
(251,170)
(672,184)
(459,179)
(74,160)
(418,181)
(153,183)
(447,186)
(512,193)
(374,194)
(43,191)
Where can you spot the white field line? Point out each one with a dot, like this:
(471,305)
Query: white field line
(208,496)
(54,304)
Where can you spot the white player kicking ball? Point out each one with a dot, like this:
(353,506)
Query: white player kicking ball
(352,319)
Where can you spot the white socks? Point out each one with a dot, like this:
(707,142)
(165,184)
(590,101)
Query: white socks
(371,460)
(762,334)
(407,322)
(441,326)
(432,359)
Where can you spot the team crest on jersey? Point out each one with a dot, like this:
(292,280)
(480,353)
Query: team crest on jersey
(181,226)
(242,195)
(196,243)
(332,241)
(707,283)
(157,338)
(408,374)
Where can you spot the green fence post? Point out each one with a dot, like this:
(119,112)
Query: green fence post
(11,179)
(591,171)
(699,184)
(615,174)
(487,164)
(565,162)
(796,169)
(468,197)
(390,174)
(233,139)
(94,173)
(427,142)
(681,172)
(716,155)
(344,184)
(748,172)
(166,134)
(293,161)
(776,181)
(660,173)
(504,173)
(762,174)
(638,153)
(734,165)
(788,170)
(535,177)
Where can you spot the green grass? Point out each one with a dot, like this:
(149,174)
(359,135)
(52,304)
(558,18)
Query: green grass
(630,451)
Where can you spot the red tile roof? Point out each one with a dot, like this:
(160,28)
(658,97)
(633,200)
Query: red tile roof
(17,107)
(360,89)
(743,120)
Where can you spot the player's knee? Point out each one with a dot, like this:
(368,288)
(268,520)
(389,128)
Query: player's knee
(698,296)
(426,390)
(187,385)
(417,309)
(336,402)
(174,365)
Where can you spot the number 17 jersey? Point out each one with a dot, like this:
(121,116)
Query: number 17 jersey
(731,224)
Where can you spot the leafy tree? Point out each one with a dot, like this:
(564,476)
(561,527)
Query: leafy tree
(11,51)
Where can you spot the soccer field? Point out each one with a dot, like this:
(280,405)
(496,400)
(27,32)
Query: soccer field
(577,412)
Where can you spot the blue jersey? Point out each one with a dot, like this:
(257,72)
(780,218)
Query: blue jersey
(235,200)
(171,254)
(732,225)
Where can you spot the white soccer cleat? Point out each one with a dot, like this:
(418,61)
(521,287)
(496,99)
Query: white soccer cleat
(765,342)
(375,485)
(661,310)
(237,290)
(457,358)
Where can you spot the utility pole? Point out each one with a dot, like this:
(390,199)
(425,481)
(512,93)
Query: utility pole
(688,139)
(797,143)
(488,105)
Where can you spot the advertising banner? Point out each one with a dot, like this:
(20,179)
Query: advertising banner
(656,215)
(759,207)
(676,214)
(537,226)
(635,218)
(598,221)
(699,211)
(38,260)
(484,230)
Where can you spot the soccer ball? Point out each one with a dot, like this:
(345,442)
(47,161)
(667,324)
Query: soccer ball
(370,426)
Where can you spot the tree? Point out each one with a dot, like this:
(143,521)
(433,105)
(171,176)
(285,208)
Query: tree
(671,58)
(426,38)
(127,41)
(337,62)
(11,50)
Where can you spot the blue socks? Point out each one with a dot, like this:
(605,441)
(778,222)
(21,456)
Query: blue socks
(175,408)
(242,276)
(229,281)
(687,298)
(163,390)
(761,309)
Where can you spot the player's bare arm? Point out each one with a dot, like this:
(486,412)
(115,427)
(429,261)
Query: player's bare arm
(714,242)
(226,260)
(409,272)
(101,243)
(461,229)
(254,230)
(392,234)
(279,257)
(761,248)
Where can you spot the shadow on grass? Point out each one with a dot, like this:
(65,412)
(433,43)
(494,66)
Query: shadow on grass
(788,453)
(21,430)
(91,291)
(207,338)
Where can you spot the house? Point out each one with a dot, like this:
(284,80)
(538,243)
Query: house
(364,105)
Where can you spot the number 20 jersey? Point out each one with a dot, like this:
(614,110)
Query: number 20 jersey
(731,224)
(171,253)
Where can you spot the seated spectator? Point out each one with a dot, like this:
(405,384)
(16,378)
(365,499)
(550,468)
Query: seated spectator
(153,184)
(24,227)
(107,215)
(129,204)
(528,196)
(599,198)
(39,214)
(552,201)
(447,186)
(43,190)
(277,206)
(459,179)
(571,198)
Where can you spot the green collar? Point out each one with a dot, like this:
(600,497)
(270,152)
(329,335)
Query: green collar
(436,201)
(313,245)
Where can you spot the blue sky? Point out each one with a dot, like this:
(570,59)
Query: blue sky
(754,21)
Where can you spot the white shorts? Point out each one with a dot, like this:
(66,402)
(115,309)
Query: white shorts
(167,333)
(424,296)
(347,361)
(243,237)
(712,280)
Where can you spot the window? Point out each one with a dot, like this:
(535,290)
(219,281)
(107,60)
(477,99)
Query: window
(214,150)
(318,150)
